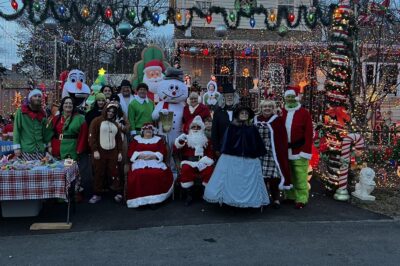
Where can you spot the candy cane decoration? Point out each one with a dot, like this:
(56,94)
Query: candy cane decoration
(351,140)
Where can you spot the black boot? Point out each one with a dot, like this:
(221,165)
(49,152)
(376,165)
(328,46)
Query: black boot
(189,196)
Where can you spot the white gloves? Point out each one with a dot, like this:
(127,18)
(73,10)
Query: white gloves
(182,138)
(96,155)
(164,111)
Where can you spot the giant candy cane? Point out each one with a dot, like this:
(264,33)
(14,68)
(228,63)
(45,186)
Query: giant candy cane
(351,140)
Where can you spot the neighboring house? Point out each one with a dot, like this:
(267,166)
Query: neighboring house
(12,83)
(247,53)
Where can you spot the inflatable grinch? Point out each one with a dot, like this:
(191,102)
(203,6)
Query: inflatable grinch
(150,70)
(76,88)
(173,93)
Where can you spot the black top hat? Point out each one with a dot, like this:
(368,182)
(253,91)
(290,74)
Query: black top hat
(227,88)
(126,83)
(174,73)
(243,107)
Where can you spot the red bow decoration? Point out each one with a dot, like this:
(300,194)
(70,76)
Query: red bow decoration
(340,113)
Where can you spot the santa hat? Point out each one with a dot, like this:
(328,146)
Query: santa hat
(154,65)
(33,93)
(293,90)
(147,126)
(198,121)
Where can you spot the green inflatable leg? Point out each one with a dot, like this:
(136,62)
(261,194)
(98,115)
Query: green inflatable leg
(299,170)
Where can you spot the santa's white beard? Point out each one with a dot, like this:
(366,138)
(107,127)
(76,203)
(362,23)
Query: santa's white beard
(198,141)
(152,82)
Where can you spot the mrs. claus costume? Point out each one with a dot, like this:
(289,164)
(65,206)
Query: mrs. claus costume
(149,181)
(300,133)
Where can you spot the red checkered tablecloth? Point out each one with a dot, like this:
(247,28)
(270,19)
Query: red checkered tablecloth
(38,184)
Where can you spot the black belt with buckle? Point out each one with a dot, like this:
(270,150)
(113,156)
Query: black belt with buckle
(297,144)
(193,158)
(62,136)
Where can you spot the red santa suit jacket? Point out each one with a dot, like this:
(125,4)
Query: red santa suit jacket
(300,132)
(188,153)
(189,113)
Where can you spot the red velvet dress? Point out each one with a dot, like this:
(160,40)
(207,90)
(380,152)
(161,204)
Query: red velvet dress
(149,181)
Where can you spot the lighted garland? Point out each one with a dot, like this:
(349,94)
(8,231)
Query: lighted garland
(310,16)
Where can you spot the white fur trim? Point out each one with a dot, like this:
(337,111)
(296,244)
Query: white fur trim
(177,144)
(187,184)
(206,160)
(190,163)
(135,155)
(149,68)
(142,164)
(159,155)
(213,83)
(134,203)
(33,93)
(141,140)
(305,155)
(192,109)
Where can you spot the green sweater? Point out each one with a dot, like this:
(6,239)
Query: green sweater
(139,114)
(30,135)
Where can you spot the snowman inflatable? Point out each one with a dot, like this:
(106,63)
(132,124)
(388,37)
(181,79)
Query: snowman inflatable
(172,92)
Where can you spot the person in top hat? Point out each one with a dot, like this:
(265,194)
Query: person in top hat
(30,134)
(237,179)
(223,115)
(300,133)
(125,96)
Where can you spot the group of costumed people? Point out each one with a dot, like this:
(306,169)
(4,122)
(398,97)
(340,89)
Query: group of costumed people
(140,149)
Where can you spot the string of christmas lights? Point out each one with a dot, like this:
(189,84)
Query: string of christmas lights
(311,16)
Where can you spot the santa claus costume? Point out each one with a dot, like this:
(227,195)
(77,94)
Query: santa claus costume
(150,180)
(300,133)
(197,156)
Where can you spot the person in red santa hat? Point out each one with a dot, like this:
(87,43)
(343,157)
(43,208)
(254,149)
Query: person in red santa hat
(153,74)
(300,133)
(150,180)
(197,157)
(193,109)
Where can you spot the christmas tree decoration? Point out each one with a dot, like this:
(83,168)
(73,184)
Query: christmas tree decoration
(36,6)
(220,30)
(156,17)
(68,39)
(246,72)
(247,51)
(208,19)
(194,50)
(188,15)
(85,12)
(108,13)
(252,22)
(101,72)
(206,51)
(178,16)
(14,5)
(225,70)
(291,17)
(232,16)
(131,14)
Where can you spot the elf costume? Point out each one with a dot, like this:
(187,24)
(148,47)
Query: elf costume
(300,132)
(70,136)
